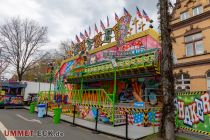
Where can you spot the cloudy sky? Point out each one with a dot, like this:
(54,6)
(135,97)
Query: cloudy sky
(66,18)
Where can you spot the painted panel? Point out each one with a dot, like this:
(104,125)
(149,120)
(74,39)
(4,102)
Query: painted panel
(193,111)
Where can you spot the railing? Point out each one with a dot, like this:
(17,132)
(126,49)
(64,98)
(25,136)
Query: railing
(44,95)
(60,87)
(151,58)
(97,97)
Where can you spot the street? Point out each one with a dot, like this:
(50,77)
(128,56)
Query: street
(20,119)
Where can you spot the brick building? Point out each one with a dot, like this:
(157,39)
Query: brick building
(191,31)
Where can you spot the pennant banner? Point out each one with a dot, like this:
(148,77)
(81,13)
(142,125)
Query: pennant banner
(77,38)
(102,25)
(82,36)
(138,13)
(86,34)
(145,16)
(107,20)
(116,17)
(89,31)
(96,29)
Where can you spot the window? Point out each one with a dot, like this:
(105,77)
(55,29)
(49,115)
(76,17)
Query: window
(184,16)
(197,10)
(174,58)
(183,82)
(189,49)
(208,80)
(199,47)
(194,44)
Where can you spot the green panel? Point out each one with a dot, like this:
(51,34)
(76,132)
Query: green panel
(200,101)
(137,62)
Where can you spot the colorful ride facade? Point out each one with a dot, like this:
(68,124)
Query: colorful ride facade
(11,94)
(115,72)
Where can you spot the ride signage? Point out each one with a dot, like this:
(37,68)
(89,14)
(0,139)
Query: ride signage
(120,33)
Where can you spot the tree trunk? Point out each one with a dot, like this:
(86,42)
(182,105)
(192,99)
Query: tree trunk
(20,76)
(19,79)
(168,118)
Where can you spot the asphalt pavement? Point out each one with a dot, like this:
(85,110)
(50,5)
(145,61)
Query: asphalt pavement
(43,128)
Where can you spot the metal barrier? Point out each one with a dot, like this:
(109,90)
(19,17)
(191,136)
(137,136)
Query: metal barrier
(90,97)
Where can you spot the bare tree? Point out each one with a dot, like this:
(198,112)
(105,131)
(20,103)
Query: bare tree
(3,63)
(168,115)
(3,66)
(21,41)
(64,48)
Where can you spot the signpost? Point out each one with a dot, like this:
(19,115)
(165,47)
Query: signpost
(139,105)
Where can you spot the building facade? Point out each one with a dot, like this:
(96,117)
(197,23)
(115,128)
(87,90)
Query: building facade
(191,47)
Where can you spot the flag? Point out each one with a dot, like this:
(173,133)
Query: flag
(138,119)
(157,118)
(89,31)
(102,25)
(86,34)
(138,12)
(77,38)
(82,36)
(126,13)
(107,20)
(72,43)
(96,29)
(145,15)
(130,119)
(116,17)
(154,118)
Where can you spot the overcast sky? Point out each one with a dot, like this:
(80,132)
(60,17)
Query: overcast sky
(66,18)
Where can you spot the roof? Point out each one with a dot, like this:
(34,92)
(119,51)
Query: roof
(14,85)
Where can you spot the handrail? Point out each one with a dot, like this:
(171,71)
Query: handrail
(90,96)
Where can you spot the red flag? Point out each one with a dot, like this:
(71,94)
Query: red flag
(86,34)
(96,29)
(107,20)
(145,15)
(72,43)
(89,31)
(126,13)
(77,38)
(82,36)
(138,12)
(116,17)
(102,25)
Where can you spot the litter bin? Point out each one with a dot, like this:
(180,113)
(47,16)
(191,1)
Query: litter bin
(57,115)
(41,110)
(32,108)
